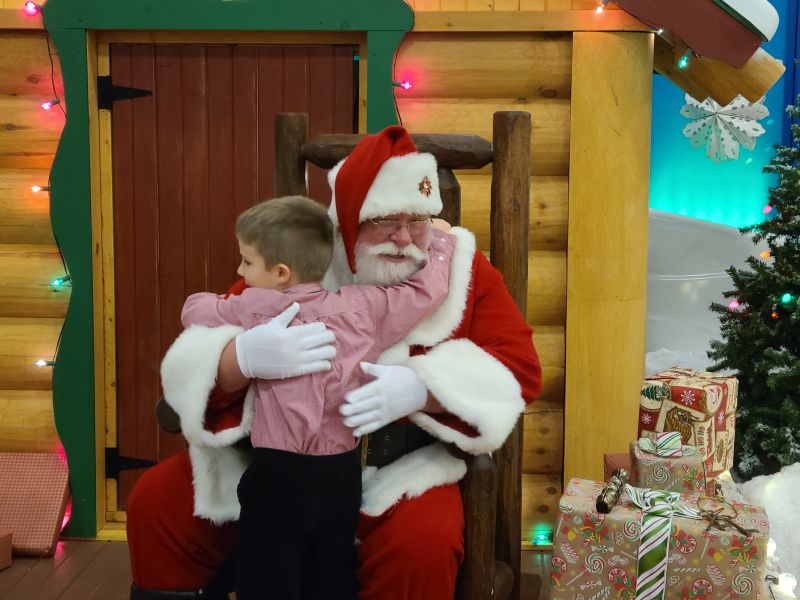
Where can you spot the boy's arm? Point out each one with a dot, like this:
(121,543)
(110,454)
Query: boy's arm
(211,310)
(399,308)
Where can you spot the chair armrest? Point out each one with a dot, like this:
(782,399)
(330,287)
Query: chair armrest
(167,418)
(479,494)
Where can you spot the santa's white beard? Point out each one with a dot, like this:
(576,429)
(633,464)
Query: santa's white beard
(371,269)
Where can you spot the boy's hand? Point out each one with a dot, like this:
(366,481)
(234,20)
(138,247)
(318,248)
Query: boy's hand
(276,351)
(441,225)
(396,393)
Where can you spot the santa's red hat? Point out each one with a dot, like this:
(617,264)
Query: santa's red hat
(384,175)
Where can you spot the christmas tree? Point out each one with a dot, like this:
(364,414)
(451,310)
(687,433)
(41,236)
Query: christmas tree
(761,327)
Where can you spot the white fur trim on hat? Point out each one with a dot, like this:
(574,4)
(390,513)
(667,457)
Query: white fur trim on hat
(397,188)
(408,477)
(189,373)
(473,385)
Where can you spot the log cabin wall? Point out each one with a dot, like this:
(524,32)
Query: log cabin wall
(31,311)
(460,80)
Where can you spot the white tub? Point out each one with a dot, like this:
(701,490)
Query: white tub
(686,273)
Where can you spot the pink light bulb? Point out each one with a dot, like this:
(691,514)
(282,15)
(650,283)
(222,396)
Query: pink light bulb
(406,85)
(31,9)
(734,304)
(767,209)
(48,104)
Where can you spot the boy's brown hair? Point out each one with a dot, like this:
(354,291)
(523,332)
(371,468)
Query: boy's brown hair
(292,230)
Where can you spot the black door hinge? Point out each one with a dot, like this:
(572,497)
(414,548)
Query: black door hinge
(108,93)
(116,463)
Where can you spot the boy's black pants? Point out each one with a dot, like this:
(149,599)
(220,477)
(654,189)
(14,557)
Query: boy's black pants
(296,533)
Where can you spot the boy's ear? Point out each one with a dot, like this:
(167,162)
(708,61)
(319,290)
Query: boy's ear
(284,273)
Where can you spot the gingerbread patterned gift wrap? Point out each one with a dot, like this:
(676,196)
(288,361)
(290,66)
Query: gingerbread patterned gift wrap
(656,545)
(700,406)
(664,463)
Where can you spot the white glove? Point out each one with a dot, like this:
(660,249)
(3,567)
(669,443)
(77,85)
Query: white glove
(397,392)
(275,351)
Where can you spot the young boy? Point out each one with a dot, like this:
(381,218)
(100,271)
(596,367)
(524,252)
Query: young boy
(301,495)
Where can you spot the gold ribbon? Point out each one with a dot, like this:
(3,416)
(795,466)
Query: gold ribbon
(721,521)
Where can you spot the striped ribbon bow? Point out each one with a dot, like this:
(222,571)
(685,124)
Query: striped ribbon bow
(658,508)
(665,444)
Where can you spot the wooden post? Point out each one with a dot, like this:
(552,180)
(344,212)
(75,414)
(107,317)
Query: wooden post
(476,575)
(509,253)
(291,132)
(607,246)
(451,197)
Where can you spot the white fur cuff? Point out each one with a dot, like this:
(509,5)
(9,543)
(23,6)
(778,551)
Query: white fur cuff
(189,373)
(474,386)
(216,474)
(408,477)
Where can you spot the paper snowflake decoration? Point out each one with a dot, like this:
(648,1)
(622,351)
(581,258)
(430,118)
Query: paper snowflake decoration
(722,129)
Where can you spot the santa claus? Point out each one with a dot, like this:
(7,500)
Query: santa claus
(462,378)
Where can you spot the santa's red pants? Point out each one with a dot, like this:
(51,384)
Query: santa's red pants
(412,551)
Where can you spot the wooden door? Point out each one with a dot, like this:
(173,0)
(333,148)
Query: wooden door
(186,161)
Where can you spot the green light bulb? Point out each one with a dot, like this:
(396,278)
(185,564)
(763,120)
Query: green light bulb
(786,298)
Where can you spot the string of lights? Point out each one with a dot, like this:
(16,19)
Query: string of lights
(32,9)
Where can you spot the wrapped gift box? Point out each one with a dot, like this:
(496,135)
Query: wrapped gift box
(700,406)
(675,469)
(34,489)
(596,555)
(5,549)
(614,461)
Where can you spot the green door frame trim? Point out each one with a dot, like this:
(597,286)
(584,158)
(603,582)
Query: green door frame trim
(68,21)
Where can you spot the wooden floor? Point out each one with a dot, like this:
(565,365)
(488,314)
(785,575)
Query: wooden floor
(79,570)
(82,570)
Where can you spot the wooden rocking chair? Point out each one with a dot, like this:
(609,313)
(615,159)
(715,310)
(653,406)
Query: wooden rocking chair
(492,488)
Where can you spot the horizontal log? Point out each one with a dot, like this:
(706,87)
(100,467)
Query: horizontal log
(26,421)
(550,125)
(25,275)
(11,17)
(37,154)
(451,150)
(535,21)
(28,135)
(552,384)
(486,65)
(25,67)
(550,345)
(543,438)
(548,210)
(704,77)
(540,496)
(23,341)
(25,214)
(547,288)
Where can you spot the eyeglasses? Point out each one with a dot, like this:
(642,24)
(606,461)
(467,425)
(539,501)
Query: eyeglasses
(390,227)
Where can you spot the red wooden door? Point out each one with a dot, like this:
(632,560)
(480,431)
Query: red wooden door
(186,161)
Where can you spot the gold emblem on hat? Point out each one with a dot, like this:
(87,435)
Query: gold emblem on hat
(425,187)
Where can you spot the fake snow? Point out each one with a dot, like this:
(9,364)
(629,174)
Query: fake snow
(663,359)
(778,494)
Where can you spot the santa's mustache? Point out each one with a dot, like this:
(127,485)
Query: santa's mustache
(411,251)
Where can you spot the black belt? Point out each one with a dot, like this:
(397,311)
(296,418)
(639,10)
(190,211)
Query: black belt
(386,445)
